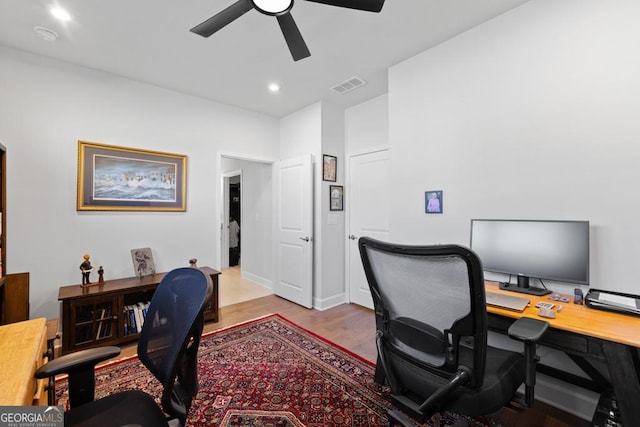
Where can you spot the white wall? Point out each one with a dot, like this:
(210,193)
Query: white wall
(319,129)
(256,226)
(301,135)
(301,132)
(45,108)
(332,291)
(531,115)
(367,126)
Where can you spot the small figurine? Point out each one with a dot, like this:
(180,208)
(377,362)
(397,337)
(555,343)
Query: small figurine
(193,262)
(100,275)
(86,269)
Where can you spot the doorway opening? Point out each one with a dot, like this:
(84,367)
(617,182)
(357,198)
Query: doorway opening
(234,220)
(246,197)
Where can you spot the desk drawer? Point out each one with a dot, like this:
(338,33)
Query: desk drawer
(39,386)
(567,342)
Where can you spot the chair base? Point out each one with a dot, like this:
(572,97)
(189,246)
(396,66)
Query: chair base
(398,418)
(408,406)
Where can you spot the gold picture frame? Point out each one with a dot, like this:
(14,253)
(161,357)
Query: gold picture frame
(112,178)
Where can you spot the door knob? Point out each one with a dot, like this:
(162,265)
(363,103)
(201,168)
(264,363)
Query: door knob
(306,239)
(352,237)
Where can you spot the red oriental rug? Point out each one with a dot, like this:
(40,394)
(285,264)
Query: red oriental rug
(269,372)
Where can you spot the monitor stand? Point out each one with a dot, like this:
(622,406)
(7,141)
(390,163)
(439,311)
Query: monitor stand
(523,287)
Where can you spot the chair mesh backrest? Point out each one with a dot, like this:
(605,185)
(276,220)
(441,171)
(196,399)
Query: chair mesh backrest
(433,290)
(429,302)
(176,305)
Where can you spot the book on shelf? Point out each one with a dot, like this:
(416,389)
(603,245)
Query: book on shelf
(104,330)
(104,323)
(130,315)
(125,320)
(134,315)
(100,322)
(139,316)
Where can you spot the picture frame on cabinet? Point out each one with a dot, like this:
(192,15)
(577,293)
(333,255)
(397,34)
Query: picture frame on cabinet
(143,264)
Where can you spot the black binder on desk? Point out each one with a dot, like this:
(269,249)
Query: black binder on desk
(613,301)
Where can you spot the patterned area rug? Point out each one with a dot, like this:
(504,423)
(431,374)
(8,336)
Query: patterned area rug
(269,372)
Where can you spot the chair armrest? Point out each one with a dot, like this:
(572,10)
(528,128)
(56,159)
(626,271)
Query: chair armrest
(529,331)
(80,367)
(526,329)
(77,361)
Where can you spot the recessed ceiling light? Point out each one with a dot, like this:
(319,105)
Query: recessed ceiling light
(274,87)
(61,14)
(45,33)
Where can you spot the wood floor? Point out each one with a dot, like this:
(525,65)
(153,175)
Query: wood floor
(353,327)
(233,288)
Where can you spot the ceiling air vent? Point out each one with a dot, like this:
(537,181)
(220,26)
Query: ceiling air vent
(45,33)
(349,85)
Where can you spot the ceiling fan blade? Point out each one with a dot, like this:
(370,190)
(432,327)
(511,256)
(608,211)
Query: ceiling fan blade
(367,5)
(291,33)
(223,18)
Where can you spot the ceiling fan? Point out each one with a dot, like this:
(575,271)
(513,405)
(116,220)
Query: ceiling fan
(281,9)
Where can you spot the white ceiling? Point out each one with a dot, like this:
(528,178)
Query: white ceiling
(150,41)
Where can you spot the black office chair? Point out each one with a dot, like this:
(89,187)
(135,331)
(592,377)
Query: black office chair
(167,346)
(431,333)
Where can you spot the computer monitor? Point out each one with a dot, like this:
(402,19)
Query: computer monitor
(553,250)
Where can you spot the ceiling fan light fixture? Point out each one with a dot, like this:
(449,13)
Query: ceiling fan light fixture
(272,7)
(281,10)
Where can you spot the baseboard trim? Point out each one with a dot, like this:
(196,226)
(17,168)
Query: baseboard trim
(328,303)
(266,283)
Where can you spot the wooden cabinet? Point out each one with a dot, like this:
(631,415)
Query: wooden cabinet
(3,210)
(3,232)
(24,350)
(96,315)
(92,321)
(16,297)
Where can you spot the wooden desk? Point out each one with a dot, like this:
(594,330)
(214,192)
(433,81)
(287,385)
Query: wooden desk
(23,347)
(587,336)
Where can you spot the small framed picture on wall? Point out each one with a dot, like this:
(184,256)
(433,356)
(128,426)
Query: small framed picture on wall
(433,202)
(336,197)
(329,168)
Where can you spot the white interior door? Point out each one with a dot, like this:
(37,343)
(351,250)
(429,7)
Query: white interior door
(293,238)
(369,183)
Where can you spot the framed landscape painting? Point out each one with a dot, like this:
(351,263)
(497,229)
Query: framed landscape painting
(114,178)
